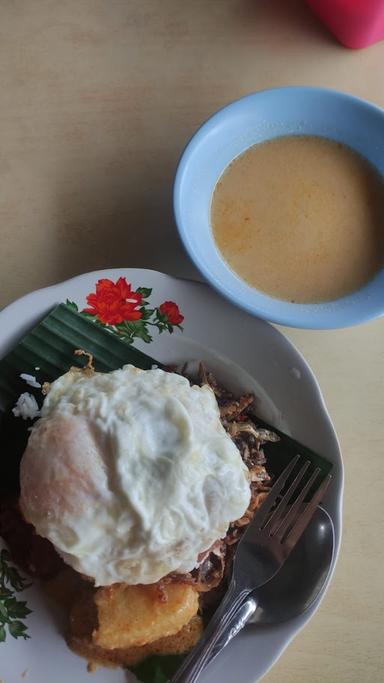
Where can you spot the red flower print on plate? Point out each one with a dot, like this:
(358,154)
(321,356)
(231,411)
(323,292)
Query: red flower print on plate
(171,312)
(127,312)
(114,302)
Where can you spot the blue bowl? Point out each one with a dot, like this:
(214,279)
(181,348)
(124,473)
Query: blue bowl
(252,119)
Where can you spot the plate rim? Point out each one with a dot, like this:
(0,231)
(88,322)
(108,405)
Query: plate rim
(298,622)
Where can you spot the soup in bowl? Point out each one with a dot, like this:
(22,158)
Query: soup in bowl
(279,200)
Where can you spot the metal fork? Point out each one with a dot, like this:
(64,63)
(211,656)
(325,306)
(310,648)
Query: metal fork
(270,537)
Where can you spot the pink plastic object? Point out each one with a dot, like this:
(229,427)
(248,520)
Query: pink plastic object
(355,23)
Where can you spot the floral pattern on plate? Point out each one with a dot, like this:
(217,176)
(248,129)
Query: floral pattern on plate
(127,312)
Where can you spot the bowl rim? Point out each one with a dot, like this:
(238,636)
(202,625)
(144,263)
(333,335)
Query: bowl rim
(288,318)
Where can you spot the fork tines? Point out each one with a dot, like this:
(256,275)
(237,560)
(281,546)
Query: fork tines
(285,513)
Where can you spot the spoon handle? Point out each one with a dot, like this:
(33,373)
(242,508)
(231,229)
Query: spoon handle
(228,620)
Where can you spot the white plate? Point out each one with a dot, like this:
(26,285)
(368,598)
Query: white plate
(244,351)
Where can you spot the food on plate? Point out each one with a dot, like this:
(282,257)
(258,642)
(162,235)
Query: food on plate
(131,474)
(123,624)
(300,218)
(142,614)
(140,483)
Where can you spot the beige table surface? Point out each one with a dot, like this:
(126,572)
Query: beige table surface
(98,98)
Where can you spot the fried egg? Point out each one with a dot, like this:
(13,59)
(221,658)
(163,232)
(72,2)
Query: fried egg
(130,474)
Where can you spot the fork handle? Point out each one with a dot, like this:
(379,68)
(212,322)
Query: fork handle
(233,627)
(230,617)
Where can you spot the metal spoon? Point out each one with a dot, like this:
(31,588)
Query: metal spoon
(299,582)
(296,586)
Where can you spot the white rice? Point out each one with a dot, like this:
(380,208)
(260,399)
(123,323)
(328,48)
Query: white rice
(26,407)
(31,380)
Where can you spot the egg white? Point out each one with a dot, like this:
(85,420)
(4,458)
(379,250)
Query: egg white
(130,474)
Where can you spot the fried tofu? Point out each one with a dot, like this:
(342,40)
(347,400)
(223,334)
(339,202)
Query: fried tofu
(129,616)
(180,642)
(121,624)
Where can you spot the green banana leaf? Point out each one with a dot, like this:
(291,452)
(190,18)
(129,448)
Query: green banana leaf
(49,347)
